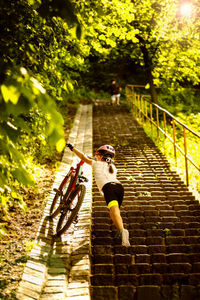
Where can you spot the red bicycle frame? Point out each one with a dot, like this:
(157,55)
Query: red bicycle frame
(78,173)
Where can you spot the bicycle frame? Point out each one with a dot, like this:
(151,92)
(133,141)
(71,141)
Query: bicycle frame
(78,174)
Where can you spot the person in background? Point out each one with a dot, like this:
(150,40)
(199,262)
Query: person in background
(105,174)
(115,90)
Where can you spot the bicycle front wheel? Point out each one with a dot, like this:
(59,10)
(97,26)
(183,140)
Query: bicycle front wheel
(61,194)
(71,211)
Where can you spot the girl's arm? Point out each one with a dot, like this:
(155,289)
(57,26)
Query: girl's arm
(81,155)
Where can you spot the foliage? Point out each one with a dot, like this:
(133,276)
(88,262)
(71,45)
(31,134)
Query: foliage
(30,122)
(150,34)
(83,95)
(181,100)
(28,117)
(87,95)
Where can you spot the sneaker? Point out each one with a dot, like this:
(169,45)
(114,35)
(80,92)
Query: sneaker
(125,238)
(118,235)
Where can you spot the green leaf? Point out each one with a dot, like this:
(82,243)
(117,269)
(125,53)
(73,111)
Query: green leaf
(60,145)
(10,93)
(147,86)
(22,176)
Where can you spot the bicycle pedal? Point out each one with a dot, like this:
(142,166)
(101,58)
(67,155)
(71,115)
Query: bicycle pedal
(59,192)
(76,220)
(55,236)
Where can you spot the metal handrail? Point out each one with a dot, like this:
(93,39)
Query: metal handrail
(141,104)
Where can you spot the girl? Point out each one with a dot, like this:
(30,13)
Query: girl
(105,176)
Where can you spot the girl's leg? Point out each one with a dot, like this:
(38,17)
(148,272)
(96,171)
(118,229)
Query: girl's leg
(113,99)
(116,217)
(117,220)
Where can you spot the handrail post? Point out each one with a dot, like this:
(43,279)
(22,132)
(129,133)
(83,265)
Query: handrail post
(157,119)
(151,116)
(174,139)
(133,97)
(165,123)
(138,104)
(146,111)
(186,161)
(142,108)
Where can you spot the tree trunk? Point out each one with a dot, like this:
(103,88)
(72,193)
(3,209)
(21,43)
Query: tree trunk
(152,86)
(148,69)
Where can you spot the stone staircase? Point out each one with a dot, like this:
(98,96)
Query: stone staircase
(162,216)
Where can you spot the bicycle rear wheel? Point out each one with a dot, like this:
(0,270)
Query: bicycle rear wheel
(60,194)
(69,213)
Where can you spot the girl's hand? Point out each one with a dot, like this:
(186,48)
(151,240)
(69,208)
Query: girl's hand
(70,146)
(81,155)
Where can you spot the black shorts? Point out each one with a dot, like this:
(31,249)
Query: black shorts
(113,191)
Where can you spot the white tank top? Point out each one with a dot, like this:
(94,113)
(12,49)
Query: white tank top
(102,174)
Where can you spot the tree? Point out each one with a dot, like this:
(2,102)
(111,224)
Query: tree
(151,34)
(39,62)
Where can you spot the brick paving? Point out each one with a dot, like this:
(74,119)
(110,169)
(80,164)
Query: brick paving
(60,270)
(162,216)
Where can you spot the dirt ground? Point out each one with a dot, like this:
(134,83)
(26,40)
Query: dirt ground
(22,227)
(22,230)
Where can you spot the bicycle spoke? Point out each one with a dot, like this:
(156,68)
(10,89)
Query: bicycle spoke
(69,214)
(61,196)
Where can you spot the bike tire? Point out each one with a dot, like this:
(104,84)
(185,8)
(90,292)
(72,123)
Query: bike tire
(56,203)
(67,216)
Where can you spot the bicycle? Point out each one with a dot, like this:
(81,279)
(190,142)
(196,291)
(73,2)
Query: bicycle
(68,198)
